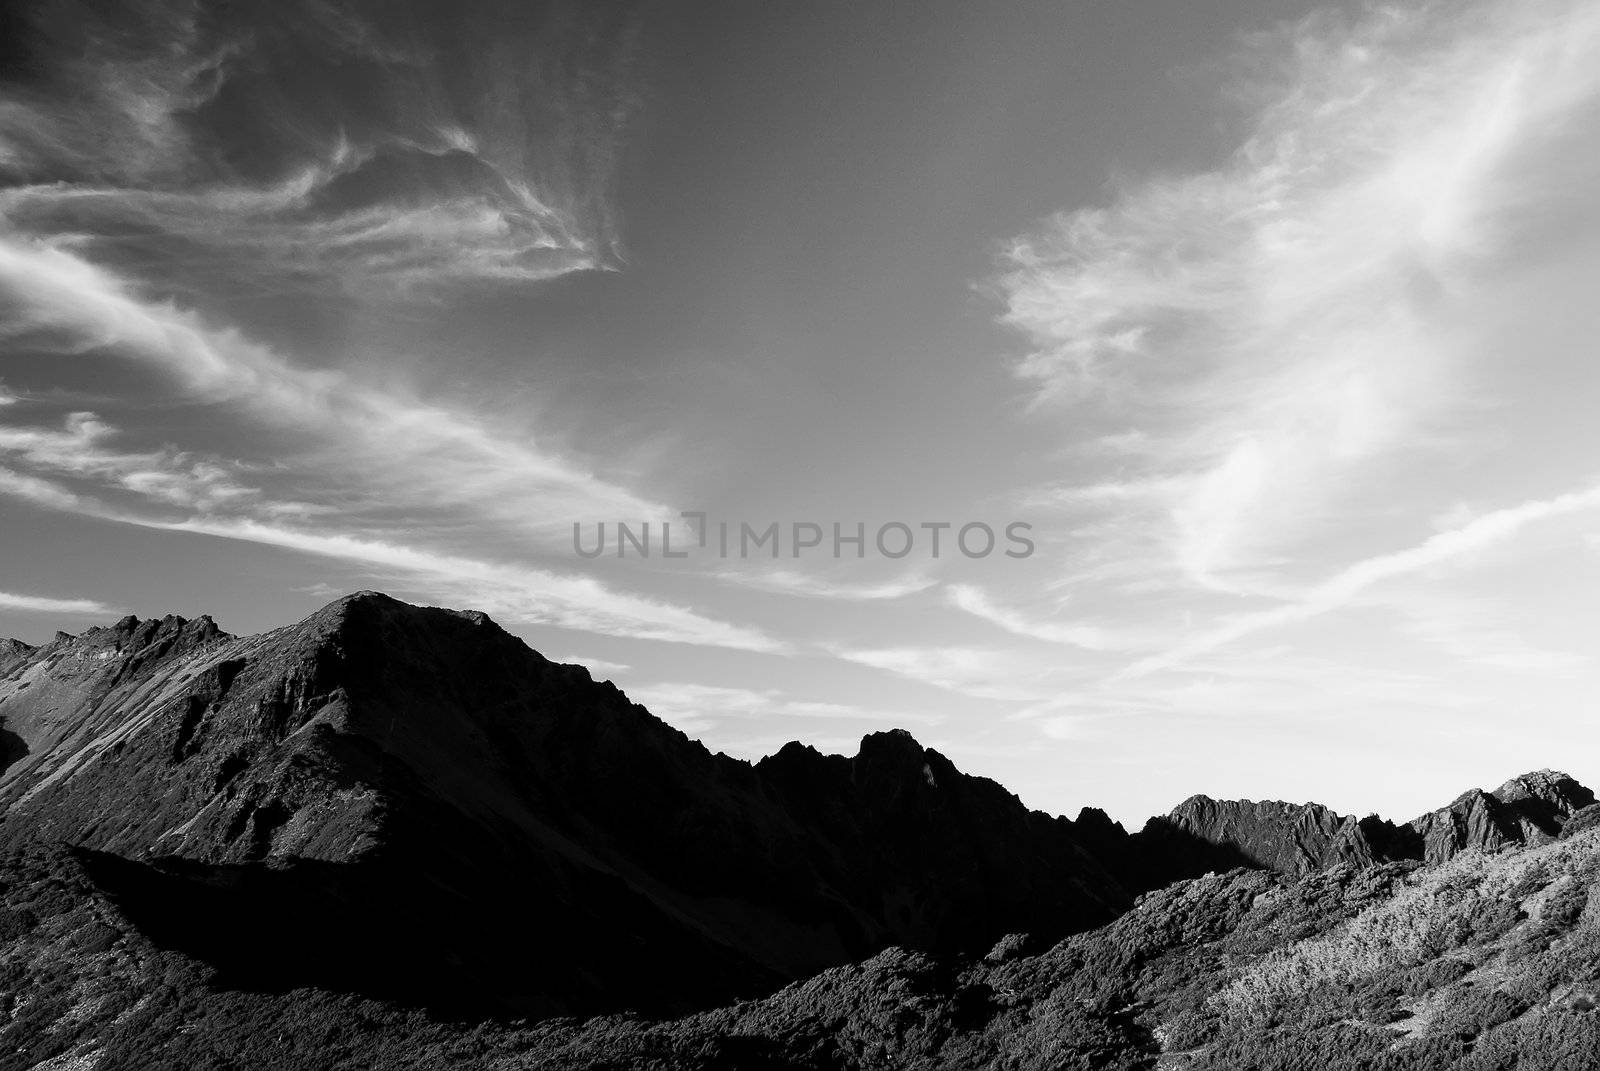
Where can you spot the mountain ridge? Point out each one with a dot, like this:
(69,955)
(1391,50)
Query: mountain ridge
(406,819)
(1290,837)
(428,757)
(330,618)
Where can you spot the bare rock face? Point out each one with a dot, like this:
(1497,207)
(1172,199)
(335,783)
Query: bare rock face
(12,652)
(411,803)
(1530,809)
(1202,834)
(1295,839)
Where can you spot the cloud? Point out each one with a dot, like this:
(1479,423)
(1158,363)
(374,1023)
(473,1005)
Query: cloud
(980,673)
(1275,326)
(388,148)
(1146,489)
(514,593)
(977,603)
(1474,631)
(82,449)
(160,166)
(57,301)
(600,668)
(45,493)
(1344,587)
(788,582)
(697,708)
(40,604)
(1285,702)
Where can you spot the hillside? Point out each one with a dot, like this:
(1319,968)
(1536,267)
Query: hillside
(1486,962)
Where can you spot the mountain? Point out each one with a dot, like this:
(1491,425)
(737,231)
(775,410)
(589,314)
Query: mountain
(544,845)
(391,836)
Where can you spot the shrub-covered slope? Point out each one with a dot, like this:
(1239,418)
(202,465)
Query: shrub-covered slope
(1489,961)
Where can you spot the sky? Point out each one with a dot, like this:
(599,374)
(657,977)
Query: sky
(1272,325)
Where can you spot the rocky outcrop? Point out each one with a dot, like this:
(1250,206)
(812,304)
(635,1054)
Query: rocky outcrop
(1202,834)
(545,845)
(12,652)
(1530,809)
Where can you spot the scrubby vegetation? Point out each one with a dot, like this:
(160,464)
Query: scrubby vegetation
(1485,963)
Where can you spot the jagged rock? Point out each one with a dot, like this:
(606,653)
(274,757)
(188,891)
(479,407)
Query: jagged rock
(1202,834)
(12,652)
(1530,809)
(1541,802)
(941,850)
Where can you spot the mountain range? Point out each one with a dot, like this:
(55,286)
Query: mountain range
(391,834)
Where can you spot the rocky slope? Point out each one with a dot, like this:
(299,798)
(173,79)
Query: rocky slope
(1484,963)
(546,845)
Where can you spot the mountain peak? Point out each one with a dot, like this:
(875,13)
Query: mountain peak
(357,604)
(362,611)
(1544,784)
(890,742)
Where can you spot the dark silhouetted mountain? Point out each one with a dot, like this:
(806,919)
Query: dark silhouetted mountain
(411,803)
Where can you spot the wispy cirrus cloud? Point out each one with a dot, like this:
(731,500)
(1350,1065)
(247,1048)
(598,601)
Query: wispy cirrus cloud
(695,708)
(517,594)
(600,668)
(156,164)
(419,460)
(43,604)
(1275,326)
(1349,584)
(814,586)
(514,593)
(84,448)
(977,602)
(1476,631)
(979,672)
(412,149)
(407,450)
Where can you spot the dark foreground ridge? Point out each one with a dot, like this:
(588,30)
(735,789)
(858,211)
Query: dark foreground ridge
(381,836)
